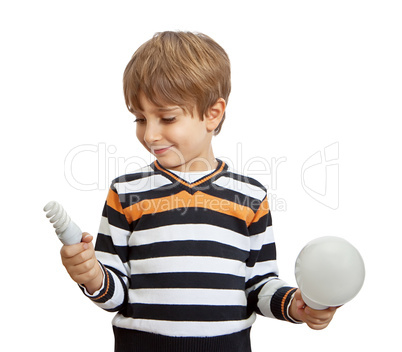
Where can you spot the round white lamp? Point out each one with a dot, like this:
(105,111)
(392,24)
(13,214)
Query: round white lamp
(329,272)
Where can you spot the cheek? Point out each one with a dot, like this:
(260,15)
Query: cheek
(177,134)
(139,132)
(189,134)
(140,135)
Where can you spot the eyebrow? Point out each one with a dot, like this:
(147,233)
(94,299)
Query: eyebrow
(169,108)
(159,109)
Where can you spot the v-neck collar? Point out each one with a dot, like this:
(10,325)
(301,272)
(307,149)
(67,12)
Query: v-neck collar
(193,185)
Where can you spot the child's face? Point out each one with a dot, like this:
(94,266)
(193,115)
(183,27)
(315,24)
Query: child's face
(178,140)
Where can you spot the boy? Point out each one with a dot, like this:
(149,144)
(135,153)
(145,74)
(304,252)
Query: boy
(185,253)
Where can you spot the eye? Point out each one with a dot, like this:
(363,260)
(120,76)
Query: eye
(169,119)
(139,120)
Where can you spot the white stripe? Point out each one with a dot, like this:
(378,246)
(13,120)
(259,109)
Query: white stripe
(114,261)
(188,296)
(188,264)
(241,187)
(143,184)
(265,295)
(184,329)
(120,237)
(257,241)
(196,232)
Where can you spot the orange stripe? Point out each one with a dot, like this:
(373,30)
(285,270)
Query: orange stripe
(107,285)
(283,304)
(113,201)
(186,200)
(262,211)
(190,185)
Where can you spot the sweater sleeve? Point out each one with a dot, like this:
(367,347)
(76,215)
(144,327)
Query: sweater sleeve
(111,250)
(268,295)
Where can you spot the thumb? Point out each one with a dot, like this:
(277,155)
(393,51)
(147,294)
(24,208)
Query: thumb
(299,300)
(86,237)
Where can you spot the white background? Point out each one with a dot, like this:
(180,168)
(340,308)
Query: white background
(306,75)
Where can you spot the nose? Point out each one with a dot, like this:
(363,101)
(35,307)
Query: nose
(152,132)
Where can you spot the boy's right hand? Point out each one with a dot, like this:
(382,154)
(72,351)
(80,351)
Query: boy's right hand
(81,264)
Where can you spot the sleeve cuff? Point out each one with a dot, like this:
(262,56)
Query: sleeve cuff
(105,292)
(280,303)
(290,318)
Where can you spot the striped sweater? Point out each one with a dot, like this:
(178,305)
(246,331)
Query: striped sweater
(188,265)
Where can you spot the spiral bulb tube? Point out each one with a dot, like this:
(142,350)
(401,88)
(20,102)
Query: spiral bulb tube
(67,231)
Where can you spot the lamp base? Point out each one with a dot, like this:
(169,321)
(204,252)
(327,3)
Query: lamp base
(312,304)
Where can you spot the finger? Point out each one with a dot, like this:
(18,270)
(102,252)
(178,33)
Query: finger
(84,267)
(72,250)
(88,274)
(298,295)
(77,259)
(317,326)
(81,257)
(317,321)
(300,304)
(84,278)
(86,237)
(80,269)
(299,300)
(320,314)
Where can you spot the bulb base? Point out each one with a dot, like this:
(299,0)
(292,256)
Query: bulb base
(312,304)
(71,235)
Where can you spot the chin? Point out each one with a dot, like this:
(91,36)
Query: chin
(169,164)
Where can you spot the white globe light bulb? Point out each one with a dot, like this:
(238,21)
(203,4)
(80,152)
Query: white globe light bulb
(329,272)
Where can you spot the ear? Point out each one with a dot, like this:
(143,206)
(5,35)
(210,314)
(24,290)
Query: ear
(214,114)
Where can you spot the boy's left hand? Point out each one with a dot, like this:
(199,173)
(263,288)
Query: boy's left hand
(315,319)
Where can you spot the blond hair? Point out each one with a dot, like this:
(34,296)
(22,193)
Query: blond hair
(181,68)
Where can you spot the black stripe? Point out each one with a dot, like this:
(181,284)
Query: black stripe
(131,177)
(104,243)
(187,248)
(252,301)
(191,216)
(115,218)
(267,252)
(244,179)
(128,199)
(258,278)
(233,196)
(187,280)
(127,340)
(185,312)
(277,300)
(261,225)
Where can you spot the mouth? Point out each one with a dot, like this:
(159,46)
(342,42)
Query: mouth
(159,151)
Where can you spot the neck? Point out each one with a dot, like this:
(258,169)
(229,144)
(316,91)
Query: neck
(202,163)
(198,165)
